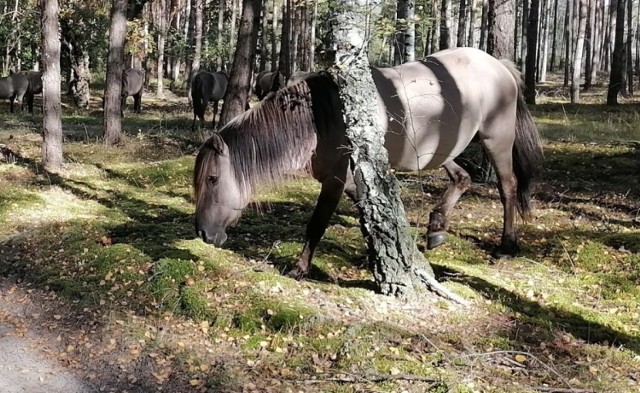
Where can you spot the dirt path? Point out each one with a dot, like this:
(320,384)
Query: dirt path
(27,360)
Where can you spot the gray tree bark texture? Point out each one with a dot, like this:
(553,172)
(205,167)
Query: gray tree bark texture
(532,52)
(239,88)
(399,268)
(405,32)
(115,66)
(51,111)
(577,59)
(501,21)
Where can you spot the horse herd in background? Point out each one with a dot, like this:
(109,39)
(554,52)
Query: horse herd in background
(205,87)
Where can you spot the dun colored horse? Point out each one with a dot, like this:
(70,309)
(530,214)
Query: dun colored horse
(267,82)
(132,85)
(431,109)
(205,87)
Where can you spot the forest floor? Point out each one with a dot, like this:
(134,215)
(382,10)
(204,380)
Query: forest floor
(103,286)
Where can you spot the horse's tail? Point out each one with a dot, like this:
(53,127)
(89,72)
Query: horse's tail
(527,148)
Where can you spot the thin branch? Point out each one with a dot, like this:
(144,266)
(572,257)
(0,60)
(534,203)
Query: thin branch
(561,390)
(347,377)
(438,288)
(546,366)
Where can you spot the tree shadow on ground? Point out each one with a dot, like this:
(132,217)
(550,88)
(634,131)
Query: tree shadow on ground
(552,318)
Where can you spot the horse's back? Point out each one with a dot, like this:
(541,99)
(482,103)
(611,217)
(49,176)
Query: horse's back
(132,81)
(433,108)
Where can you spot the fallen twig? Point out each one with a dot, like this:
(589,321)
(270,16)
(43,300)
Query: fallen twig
(438,288)
(562,390)
(348,377)
(546,366)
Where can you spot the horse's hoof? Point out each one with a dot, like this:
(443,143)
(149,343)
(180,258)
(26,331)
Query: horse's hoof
(436,239)
(506,251)
(297,274)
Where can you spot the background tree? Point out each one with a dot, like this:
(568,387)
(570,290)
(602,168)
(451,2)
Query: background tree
(617,76)
(532,52)
(115,66)
(445,25)
(239,88)
(405,32)
(501,24)
(51,111)
(577,59)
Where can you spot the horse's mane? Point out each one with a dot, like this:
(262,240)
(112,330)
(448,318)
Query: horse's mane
(278,135)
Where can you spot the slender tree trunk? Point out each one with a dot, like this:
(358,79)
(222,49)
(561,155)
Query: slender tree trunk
(472,24)
(523,45)
(568,39)
(445,25)
(115,66)
(435,25)
(235,101)
(544,41)
(462,23)
(162,36)
(219,40)
(577,60)
(312,38)
(629,47)
(532,51)
(264,40)
(405,32)
(275,50)
(51,110)
(554,45)
(616,78)
(399,268)
(484,23)
(589,45)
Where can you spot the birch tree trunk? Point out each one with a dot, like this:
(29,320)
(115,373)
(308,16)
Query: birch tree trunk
(162,36)
(115,66)
(577,60)
(51,110)
(235,101)
(405,32)
(220,43)
(399,268)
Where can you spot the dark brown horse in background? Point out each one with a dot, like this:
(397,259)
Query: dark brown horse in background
(16,87)
(206,87)
(132,85)
(431,110)
(267,82)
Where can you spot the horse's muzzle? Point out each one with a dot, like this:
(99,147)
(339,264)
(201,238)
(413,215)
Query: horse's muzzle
(217,239)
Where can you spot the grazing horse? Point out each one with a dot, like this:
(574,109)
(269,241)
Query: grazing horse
(15,87)
(431,109)
(206,87)
(35,87)
(132,85)
(267,82)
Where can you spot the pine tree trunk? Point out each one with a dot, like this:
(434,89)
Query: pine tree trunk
(51,110)
(237,96)
(312,37)
(616,78)
(399,268)
(552,63)
(544,43)
(462,23)
(219,42)
(115,66)
(472,24)
(275,50)
(435,26)
(162,36)
(629,47)
(532,51)
(501,23)
(568,39)
(445,25)
(483,24)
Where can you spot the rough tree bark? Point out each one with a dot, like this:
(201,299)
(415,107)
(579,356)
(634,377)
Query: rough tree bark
(462,23)
(617,75)
(501,23)
(398,266)
(445,25)
(51,111)
(115,66)
(235,101)
(405,32)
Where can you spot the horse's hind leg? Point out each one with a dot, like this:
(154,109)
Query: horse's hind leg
(438,219)
(137,102)
(500,152)
(332,188)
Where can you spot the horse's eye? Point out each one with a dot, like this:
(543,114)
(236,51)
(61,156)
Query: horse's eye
(212,179)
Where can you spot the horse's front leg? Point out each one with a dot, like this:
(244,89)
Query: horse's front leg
(460,181)
(328,200)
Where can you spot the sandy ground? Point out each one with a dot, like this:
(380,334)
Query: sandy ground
(27,363)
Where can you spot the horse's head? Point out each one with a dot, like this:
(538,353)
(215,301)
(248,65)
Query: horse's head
(218,196)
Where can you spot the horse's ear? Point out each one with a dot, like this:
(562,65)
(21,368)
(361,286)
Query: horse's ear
(217,143)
